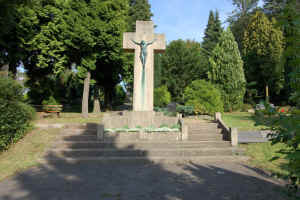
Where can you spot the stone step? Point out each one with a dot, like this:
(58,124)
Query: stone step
(85,126)
(141,145)
(207,125)
(66,153)
(210,131)
(205,137)
(79,132)
(78,137)
(143,160)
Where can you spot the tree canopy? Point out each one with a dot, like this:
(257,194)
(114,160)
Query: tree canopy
(182,63)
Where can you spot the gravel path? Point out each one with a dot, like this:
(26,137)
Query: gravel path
(186,181)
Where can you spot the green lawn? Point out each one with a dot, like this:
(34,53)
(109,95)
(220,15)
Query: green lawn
(26,152)
(261,155)
(68,117)
(241,120)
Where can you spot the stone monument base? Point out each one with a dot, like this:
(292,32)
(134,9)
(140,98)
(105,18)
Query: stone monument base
(132,119)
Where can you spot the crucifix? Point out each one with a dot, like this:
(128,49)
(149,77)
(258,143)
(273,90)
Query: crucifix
(144,42)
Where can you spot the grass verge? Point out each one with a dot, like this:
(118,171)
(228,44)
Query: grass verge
(244,121)
(261,155)
(26,152)
(66,118)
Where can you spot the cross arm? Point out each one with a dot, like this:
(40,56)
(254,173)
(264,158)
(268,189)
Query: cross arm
(128,45)
(159,45)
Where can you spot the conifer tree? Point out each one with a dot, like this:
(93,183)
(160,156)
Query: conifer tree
(262,52)
(212,32)
(227,71)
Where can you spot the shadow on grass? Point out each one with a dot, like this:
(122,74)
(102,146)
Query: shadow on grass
(94,180)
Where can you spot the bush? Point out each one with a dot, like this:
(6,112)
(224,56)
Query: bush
(204,97)
(10,89)
(162,96)
(246,107)
(120,96)
(50,101)
(185,110)
(15,114)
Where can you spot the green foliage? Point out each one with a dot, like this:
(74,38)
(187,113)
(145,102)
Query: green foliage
(262,52)
(185,110)
(139,10)
(162,96)
(286,130)
(227,71)
(204,97)
(240,18)
(246,107)
(15,115)
(286,127)
(50,101)
(182,63)
(120,96)
(212,32)
(10,90)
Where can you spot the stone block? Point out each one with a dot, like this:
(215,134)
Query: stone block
(100,132)
(234,137)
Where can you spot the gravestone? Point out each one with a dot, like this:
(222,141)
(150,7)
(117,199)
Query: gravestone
(144,43)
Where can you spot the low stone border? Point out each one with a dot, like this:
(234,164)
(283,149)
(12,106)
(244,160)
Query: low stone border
(241,137)
(230,134)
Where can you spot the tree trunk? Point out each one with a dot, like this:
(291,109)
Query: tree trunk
(4,70)
(267,94)
(85,96)
(96,101)
(107,98)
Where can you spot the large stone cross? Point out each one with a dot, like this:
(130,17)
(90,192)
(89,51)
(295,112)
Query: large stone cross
(143,79)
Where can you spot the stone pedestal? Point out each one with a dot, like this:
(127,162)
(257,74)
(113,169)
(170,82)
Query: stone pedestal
(137,118)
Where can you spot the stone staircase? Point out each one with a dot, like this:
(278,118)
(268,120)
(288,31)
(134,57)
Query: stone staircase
(79,143)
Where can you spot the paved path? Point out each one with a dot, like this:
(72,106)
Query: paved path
(58,180)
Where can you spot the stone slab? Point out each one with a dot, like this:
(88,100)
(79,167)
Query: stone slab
(251,137)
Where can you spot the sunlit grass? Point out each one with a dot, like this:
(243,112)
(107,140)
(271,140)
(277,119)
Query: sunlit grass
(67,118)
(262,155)
(241,120)
(26,152)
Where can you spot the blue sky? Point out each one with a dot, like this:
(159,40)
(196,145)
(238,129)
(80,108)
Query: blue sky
(186,19)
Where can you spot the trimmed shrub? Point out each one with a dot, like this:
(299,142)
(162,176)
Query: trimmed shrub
(185,110)
(204,97)
(15,114)
(10,90)
(120,96)
(50,101)
(246,107)
(162,96)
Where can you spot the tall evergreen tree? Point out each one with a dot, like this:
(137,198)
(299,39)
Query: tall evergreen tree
(240,18)
(288,15)
(227,71)
(275,8)
(262,51)
(212,32)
